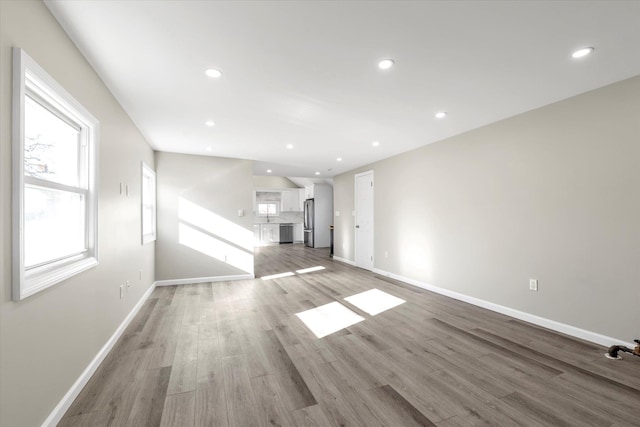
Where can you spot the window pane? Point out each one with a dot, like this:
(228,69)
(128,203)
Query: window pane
(147,220)
(51,146)
(262,208)
(271,208)
(147,189)
(54,224)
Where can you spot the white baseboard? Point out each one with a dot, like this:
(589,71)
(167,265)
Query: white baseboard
(344,260)
(58,412)
(193,280)
(527,317)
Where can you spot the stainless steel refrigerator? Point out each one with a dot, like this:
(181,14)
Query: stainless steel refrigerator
(308,223)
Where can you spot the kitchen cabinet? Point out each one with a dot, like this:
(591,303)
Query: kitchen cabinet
(270,233)
(298,232)
(290,201)
(256,234)
(308,191)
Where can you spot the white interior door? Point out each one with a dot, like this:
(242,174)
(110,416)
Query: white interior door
(364,220)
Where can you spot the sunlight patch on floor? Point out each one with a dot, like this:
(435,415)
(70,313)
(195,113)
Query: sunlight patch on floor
(374,301)
(278,276)
(310,269)
(328,318)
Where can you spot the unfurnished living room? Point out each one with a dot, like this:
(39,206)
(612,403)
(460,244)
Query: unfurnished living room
(319,213)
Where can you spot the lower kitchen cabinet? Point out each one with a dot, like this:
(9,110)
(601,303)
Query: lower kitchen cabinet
(298,233)
(270,233)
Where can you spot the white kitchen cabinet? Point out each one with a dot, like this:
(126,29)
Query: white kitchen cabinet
(298,231)
(256,234)
(308,191)
(270,233)
(290,201)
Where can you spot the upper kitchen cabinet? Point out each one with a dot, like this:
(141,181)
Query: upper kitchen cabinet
(308,192)
(291,201)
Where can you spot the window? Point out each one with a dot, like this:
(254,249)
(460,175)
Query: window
(55,143)
(267,208)
(148,204)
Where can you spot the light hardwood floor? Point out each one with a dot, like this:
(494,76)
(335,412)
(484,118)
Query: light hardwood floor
(235,354)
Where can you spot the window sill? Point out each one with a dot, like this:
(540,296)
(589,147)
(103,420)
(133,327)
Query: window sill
(44,277)
(148,238)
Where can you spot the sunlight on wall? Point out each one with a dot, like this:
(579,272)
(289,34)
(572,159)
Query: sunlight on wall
(416,259)
(374,301)
(328,318)
(214,236)
(215,248)
(214,224)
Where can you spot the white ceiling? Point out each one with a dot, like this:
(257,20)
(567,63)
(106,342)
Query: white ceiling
(305,72)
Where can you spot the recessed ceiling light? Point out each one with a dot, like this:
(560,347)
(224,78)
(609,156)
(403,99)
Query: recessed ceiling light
(441,114)
(582,52)
(289,146)
(385,64)
(210,123)
(317,173)
(339,159)
(213,73)
(375,143)
(269,171)
(209,149)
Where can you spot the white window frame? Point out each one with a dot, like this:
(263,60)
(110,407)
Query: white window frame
(268,202)
(148,172)
(28,76)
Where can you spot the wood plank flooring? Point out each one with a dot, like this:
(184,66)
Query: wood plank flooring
(235,354)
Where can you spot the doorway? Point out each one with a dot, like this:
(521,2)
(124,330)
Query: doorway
(364,220)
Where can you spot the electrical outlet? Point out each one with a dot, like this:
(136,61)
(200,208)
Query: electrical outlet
(140,274)
(121,291)
(127,286)
(533,285)
(386,254)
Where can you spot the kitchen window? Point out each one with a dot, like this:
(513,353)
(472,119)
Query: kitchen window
(148,204)
(268,208)
(55,143)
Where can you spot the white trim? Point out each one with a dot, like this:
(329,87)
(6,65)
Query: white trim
(50,277)
(344,260)
(61,408)
(355,219)
(27,73)
(527,317)
(204,280)
(147,171)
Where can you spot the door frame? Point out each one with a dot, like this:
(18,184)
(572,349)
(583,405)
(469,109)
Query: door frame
(355,218)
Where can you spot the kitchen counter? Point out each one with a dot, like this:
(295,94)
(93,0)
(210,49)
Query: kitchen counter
(269,232)
(284,218)
(277,221)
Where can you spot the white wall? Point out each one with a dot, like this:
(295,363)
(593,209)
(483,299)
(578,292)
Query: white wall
(276,182)
(48,339)
(200,234)
(552,194)
(323,206)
